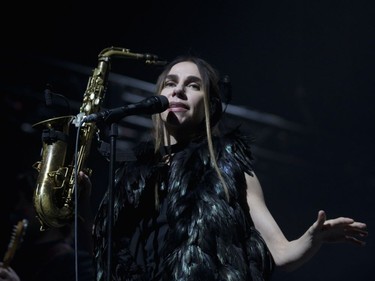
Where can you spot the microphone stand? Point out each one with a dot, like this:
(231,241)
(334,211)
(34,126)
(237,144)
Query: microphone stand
(113,136)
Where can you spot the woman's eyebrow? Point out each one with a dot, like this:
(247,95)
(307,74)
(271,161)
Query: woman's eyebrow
(191,78)
(171,77)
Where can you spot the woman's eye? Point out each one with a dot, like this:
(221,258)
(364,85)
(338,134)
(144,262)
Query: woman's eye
(168,84)
(194,86)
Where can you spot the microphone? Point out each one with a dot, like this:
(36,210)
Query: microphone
(151,105)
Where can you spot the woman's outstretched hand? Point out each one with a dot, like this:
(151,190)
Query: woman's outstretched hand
(337,230)
(340,229)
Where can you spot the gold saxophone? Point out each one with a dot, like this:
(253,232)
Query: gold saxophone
(54,194)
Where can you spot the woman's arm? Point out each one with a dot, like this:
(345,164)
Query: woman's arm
(289,255)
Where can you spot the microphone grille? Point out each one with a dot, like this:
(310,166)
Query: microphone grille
(163,102)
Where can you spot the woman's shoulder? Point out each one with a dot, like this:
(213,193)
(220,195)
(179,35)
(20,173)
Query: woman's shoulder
(236,146)
(234,139)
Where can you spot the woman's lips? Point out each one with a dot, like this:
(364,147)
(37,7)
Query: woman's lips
(178,106)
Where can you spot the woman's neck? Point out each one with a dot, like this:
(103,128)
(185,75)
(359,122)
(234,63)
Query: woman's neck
(180,136)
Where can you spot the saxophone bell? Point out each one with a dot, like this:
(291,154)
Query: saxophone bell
(52,200)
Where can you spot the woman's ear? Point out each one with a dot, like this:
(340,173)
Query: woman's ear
(216,110)
(225,95)
(225,89)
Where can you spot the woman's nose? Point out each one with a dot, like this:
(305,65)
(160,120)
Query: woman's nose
(178,90)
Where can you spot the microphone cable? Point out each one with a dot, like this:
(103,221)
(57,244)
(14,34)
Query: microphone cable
(76,200)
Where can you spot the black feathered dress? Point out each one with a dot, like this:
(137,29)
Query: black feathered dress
(195,233)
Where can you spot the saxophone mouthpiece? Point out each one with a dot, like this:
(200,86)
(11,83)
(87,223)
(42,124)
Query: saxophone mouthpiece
(151,57)
(154,59)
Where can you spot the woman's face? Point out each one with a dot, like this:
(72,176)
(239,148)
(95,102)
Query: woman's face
(184,90)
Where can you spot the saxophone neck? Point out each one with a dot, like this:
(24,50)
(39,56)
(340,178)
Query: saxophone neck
(106,53)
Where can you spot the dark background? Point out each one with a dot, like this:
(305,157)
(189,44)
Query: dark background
(306,62)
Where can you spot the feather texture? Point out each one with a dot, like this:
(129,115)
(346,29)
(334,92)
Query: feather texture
(207,238)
